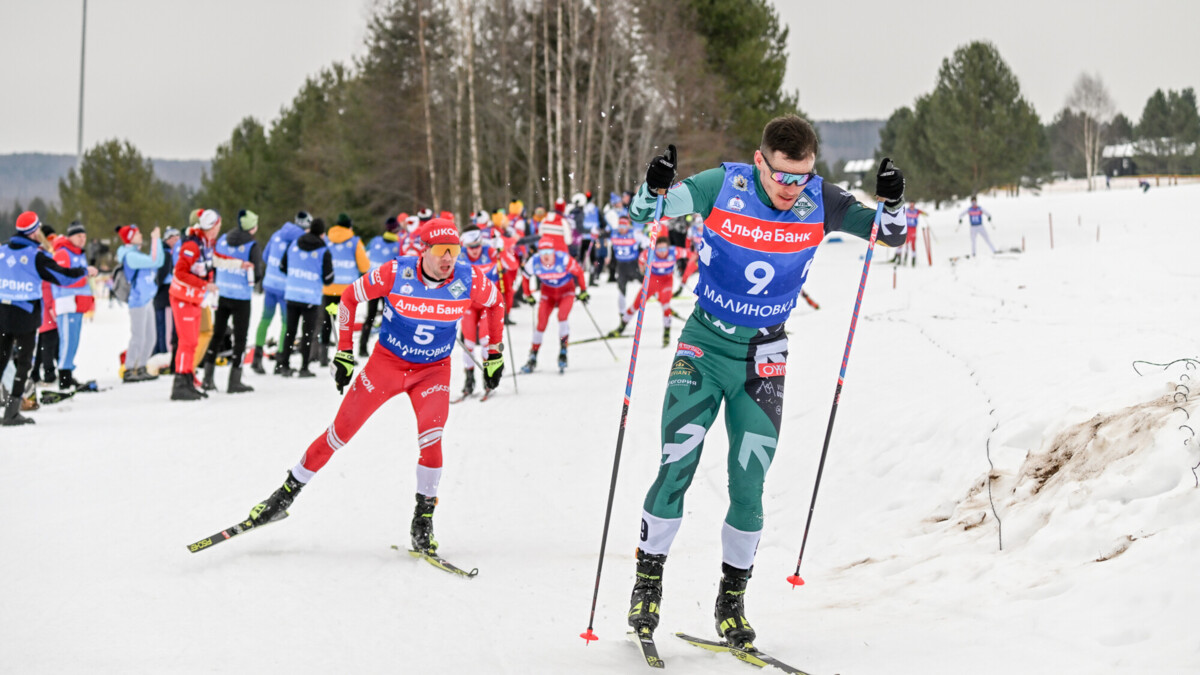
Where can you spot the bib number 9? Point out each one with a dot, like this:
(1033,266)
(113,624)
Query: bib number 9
(759,274)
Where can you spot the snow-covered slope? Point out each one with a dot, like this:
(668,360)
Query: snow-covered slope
(1026,356)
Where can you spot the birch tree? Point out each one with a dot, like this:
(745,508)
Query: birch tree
(1090,100)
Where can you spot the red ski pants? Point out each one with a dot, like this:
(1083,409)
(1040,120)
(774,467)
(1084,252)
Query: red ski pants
(660,285)
(187,327)
(385,376)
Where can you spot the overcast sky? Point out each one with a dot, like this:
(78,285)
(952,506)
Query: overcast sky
(176,77)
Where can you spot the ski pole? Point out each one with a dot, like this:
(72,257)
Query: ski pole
(603,338)
(795,579)
(589,635)
(508,334)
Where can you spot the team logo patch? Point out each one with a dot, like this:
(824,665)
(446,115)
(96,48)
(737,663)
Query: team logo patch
(407,273)
(684,349)
(736,203)
(406,289)
(12,262)
(457,289)
(803,206)
(739,182)
(771,369)
(242,248)
(24,259)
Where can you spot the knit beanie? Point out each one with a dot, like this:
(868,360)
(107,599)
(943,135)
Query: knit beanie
(75,228)
(317,226)
(28,223)
(127,233)
(247,220)
(344,220)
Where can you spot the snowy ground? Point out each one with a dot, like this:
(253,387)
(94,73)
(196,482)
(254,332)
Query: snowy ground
(1028,354)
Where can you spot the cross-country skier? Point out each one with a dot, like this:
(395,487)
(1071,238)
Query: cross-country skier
(426,296)
(763,222)
(476,320)
(627,243)
(662,260)
(562,282)
(912,218)
(975,214)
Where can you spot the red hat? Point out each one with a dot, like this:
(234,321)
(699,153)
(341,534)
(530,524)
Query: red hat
(545,245)
(552,219)
(126,233)
(28,223)
(438,231)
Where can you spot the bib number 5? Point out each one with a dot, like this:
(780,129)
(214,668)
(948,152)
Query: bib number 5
(423,335)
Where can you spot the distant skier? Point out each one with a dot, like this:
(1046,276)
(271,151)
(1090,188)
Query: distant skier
(476,321)
(662,261)
(627,244)
(563,280)
(23,268)
(426,296)
(733,348)
(976,213)
(912,217)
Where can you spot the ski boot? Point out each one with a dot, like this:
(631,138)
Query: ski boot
(530,364)
(469,384)
(66,380)
(256,365)
(666,337)
(305,372)
(730,611)
(235,382)
(616,332)
(184,388)
(12,413)
(208,384)
(422,525)
(562,356)
(145,375)
(276,506)
(647,593)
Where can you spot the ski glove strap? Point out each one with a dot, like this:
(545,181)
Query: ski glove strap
(342,367)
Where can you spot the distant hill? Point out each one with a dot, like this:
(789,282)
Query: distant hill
(28,175)
(855,139)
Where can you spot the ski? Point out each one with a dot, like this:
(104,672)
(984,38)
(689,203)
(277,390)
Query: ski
(50,397)
(244,526)
(440,563)
(597,339)
(645,642)
(487,393)
(748,654)
(462,398)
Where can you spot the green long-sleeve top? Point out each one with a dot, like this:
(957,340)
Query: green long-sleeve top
(698,193)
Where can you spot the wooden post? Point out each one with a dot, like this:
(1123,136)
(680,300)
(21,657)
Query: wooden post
(1051,231)
(894,277)
(1097,233)
(1022,243)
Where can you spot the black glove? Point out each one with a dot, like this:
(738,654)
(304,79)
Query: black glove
(343,369)
(660,173)
(889,184)
(493,368)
